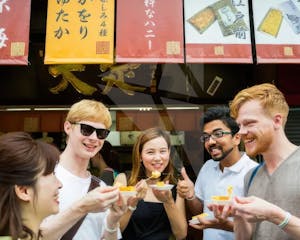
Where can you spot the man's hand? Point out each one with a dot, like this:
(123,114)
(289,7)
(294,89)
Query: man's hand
(206,223)
(254,209)
(99,199)
(116,210)
(185,187)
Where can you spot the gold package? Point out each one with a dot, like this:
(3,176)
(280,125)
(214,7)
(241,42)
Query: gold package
(271,22)
(229,19)
(202,19)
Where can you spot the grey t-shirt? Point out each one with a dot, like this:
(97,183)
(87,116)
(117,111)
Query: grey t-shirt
(282,188)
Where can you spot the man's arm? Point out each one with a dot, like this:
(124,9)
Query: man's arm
(194,205)
(97,200)
(254,209)
(242,229)
(54,227)
(186,190)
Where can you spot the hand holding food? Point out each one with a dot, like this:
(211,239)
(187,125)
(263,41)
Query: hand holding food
(128,190)
(195,219)
(140,192)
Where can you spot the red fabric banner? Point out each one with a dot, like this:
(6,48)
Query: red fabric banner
(217,31)
(14,31)
(151,31)
(277,31)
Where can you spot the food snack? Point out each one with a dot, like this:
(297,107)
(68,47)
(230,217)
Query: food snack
(229,190)
(127,188)
(223,199)
(229,19)
(160,184)
(127,191)
(220,198)
(200,216)
(195,220)
(155,174)
(271,22)
(202,19)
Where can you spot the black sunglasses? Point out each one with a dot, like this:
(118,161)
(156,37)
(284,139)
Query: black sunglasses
(87,130)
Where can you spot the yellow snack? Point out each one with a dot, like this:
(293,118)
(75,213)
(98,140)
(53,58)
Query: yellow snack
(220,198)
(225,197)
(203,19)
(271,22)
(127,188)
(155,174)
(229,190)
(200,215)
(160,184)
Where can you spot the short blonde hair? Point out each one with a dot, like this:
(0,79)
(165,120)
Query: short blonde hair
(89,110)
(271,99)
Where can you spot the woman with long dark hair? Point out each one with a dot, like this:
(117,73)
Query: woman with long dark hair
(158,214)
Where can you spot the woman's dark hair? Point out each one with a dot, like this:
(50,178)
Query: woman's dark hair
(22,160)
(220,113)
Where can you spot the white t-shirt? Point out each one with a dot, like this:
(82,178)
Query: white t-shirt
(212,181)
(74,188)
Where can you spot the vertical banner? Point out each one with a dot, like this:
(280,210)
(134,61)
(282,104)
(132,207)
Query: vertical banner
(14,32)
(152,32)
(80,32)
(277,31)
(217,31)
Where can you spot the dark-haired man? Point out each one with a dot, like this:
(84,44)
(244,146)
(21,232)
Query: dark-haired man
(227,167)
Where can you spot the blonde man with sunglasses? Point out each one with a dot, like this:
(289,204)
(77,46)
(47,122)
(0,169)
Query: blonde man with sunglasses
(98,211)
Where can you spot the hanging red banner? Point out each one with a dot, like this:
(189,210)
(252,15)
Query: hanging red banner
(14,32)
(80,32)
(150,32)
(277,31)
(217,31)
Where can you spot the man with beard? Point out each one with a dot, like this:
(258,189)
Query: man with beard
(270,212)
(228,166)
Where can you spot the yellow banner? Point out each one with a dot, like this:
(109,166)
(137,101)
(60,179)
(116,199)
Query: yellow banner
(80,31)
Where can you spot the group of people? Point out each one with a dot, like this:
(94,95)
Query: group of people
(51,195)
(265,199)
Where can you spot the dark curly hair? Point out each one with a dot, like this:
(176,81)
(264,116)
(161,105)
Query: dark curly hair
(221,113)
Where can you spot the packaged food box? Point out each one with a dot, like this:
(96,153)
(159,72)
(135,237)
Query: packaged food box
(202,19)
(229,19)
(271,22)
(291,14)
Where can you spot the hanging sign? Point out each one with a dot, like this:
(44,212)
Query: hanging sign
(152,32)
(80,32)
(277,31)
(217,31)
(14,32)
